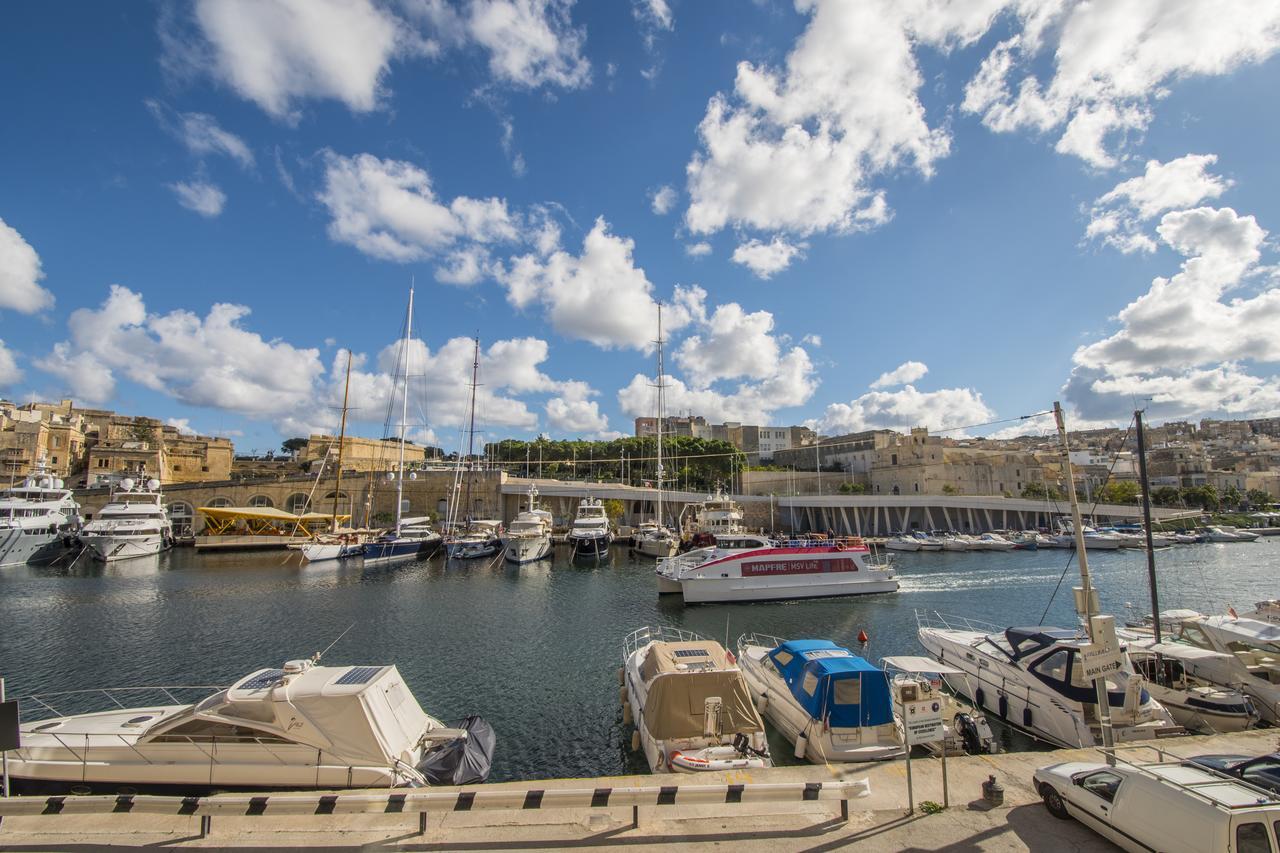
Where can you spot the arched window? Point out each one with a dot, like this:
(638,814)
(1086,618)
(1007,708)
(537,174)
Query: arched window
(261,500)
(296,503)
(218,502)
(180,516)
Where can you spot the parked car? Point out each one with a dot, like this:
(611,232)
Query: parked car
(1172,807)
(1262,770)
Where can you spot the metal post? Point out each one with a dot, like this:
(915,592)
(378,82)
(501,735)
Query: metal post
(844,810)
(635,817)
(422,823)
(206,825)
(911,794)
(4,756)
(1146,523)
(946,793)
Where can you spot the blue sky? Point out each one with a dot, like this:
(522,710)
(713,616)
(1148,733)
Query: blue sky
(861,214)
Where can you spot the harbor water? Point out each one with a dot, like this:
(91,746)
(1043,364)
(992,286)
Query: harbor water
(534,649)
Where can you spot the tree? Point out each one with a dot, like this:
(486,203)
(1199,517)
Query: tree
(853,488)
(1232,497)
(948,489)
(1205,497)
(293,445)
(1119,492)
(1042,491)
(1166,496)
(1258,498)
(614,509)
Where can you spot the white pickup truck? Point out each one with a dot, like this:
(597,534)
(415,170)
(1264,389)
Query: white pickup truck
(1169,807)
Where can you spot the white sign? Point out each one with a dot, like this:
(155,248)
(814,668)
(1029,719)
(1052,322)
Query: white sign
(1103,656)
(922,721)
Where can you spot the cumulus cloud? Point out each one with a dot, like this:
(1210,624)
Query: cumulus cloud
(182,425)
(573,412)
(9,370)
(201,134)
(698,250)
(530,42)
(1110,63)
(1186,341)
(766,259)
(200,196)
(20,274)
(733,344)
(663,199)
(1117,216)
(906,408)
(907,372)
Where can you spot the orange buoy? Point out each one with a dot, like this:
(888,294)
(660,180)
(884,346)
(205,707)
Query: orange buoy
(863,638)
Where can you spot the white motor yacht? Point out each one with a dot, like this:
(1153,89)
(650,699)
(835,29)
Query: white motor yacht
(1254,644)
(528,538)
(300,726)
(37,520)
(590,535)
(1201,689)
(902,543)
(133,524)
(830,703)
(1226,533)
(954,543)
(718,514)
(927,542)
(995,542)
(750,567)
(1093,540)
(690,704)
(654,540)
(1031,679)
(965,729)
(482,538)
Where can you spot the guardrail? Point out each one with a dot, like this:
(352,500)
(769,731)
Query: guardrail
(423,803)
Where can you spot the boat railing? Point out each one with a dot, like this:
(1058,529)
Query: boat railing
(751,638)
(642,637)
(688,560)
(71,702)
(951,622)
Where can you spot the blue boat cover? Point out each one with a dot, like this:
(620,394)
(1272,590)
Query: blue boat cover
(830,665)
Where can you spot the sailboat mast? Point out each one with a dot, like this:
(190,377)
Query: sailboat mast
(1146,523)
(1086,583)
(660,401)
(342,440)
(471,428)
(404,410)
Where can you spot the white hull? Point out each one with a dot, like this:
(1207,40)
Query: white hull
(528,550)
(19,547)
(776,589)
(1195,717)
(656,547)
(955,545)
(318,552)
(902,545)
(109,549)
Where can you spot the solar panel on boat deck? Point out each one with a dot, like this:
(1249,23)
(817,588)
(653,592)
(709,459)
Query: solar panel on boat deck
(689,653)
(359,675)
(263,680)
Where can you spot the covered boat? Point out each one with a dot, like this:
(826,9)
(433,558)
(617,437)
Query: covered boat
(832,704)
(691,706)
(300,726)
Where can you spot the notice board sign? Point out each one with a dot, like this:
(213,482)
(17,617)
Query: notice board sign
(922,721)
(9,725)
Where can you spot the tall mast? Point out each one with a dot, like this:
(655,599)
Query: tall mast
(1146,523)
(342,436)
(471,429)
(404,409)
(1085,605)
(660,413)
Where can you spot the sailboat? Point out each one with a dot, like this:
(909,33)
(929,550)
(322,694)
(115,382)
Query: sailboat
(653,538)
(335,546)
(481,537)
(411,538)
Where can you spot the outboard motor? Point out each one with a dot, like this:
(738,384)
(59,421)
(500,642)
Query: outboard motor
(968,731)
(462,761)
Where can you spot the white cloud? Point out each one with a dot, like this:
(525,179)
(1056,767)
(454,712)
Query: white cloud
(907,372)
(663,199)
(202,134)
(20,274)
(599,296)
(1117,216)
(906,408)
(735,344)
(698,250)
(530,42)
(389,210)
(653,15)
(9,370)
(767,259)
(797,148)
(573,412)
(200,196)
(1110,63)
(812,340)
(182,425)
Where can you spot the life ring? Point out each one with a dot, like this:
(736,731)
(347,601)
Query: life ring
(839,545)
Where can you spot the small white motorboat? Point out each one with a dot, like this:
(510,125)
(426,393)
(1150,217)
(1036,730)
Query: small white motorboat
(482,538)
(691,706)
(902,543)
(995,542)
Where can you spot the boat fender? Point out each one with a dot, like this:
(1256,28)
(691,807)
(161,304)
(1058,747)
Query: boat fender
(979,697)
(802,745)
(622,695)
(762,704)
(635,741)
(622,676)
(626,713)
(1026,717)
(1004,707)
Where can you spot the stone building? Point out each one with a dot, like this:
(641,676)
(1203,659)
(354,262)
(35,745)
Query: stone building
(360,454)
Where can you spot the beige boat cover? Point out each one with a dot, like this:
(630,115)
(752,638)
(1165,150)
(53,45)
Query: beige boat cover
(681,677)
(682,657)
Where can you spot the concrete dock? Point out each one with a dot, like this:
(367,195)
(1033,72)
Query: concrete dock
(878,822)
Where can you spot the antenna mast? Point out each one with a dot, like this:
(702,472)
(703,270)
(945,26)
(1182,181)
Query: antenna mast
(471,429)
(404,409)
(342,440)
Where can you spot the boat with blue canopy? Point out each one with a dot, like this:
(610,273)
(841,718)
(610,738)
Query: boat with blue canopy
(832,704)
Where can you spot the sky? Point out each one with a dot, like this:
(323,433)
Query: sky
(856,213)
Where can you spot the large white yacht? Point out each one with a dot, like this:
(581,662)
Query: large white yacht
(830,703)
(1031,679)
(691,706)
(529,534)
(718,514)
(37,520)
(300,726)
(590,535)
(751,567)
(133,524)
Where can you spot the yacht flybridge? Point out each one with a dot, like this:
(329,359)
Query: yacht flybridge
(133,524)
(37,519)
(750,567)
(299,726)
(529,535)
(590,535)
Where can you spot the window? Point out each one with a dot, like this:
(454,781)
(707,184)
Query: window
(810,683)
(54,460)
(1252,838)
(177,467)
(260,500)
(849,691)
(1265,772)
(206,731)
(204,468)
(102,463)
(783,658)
(1055,666)
(893,458)
(1106,784)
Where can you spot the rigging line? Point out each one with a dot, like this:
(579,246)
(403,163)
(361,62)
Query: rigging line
(1092,510)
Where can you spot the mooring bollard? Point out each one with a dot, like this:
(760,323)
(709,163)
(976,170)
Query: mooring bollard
(422,823)
(993,792)
(206,825)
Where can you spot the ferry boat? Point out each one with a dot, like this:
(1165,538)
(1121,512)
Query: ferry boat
(133,524)
(590,535)
(299,726)
(751,567)
(529,536)
(833,705)
(1031,679)
(691,706)
(37,520)
(482,538)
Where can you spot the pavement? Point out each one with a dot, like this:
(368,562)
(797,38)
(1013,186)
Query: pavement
(879,822)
